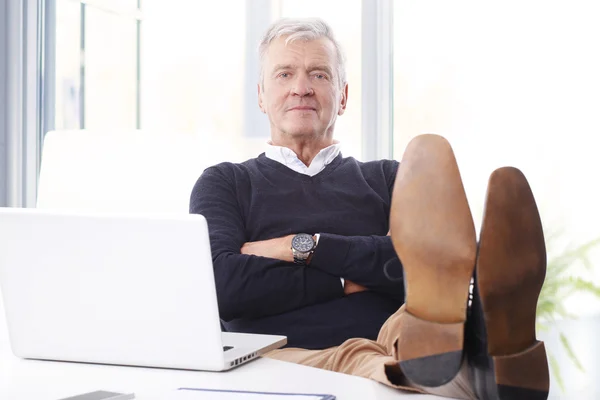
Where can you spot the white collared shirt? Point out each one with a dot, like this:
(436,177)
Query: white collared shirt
(288,158)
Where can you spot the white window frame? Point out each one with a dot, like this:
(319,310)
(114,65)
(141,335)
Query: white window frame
(377,79)
(259,14)
(377,73)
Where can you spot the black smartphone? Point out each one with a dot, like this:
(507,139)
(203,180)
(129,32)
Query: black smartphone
(102,395)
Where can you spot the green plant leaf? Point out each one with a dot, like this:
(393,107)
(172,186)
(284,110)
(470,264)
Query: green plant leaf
(577,253)
(587,263)
(559,309)
(555,368)
(583,285)
(545,308)
(567,345)
(542,327)
(589,245)
(559,285)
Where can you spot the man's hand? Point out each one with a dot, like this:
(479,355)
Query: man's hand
(278,248)
(351,287)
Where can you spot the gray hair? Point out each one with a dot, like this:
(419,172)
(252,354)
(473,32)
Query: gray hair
(302,29)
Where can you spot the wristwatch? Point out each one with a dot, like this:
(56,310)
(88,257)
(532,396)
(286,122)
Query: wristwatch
(303,245)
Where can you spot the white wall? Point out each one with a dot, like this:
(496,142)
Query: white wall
(509,83)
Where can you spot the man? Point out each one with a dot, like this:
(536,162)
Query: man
(300,245)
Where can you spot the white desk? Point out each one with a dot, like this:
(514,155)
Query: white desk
(47,380)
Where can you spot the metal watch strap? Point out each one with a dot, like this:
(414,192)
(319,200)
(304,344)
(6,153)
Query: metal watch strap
(300,258)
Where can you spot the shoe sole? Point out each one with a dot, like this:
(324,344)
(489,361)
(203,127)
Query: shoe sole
(434,236)
(510,272)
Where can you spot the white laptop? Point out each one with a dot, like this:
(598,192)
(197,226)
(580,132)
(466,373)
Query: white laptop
(115,289)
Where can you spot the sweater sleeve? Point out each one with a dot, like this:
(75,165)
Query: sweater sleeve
(370,261)
(367,260)
(250,286)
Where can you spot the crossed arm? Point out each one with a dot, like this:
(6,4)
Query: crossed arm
(257,279)
(280,249)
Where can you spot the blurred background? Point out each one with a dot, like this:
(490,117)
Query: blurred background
(515,83)
(508,83)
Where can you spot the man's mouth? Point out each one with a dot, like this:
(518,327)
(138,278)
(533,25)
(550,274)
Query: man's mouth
(302,108)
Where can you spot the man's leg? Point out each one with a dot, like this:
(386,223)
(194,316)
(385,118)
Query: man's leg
(358,357)
(376,360)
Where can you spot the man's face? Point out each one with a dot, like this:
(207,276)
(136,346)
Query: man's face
(300,93)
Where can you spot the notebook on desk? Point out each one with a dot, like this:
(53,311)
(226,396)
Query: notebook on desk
(115,289)
(213,394)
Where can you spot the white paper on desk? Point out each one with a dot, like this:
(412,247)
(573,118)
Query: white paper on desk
(210,395)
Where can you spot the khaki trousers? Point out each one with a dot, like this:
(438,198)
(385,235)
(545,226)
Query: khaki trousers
(374,360)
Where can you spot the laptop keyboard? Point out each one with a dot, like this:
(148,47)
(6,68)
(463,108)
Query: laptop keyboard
(225,348)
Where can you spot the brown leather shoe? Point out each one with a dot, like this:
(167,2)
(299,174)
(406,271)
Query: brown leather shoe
(434,236)
(505,357)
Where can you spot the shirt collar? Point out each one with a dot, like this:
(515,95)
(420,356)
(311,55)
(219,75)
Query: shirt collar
(288,158)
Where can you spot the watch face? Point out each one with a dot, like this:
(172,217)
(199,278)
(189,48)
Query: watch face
(303,242)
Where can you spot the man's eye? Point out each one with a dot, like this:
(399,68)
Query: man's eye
(320,76)
(284,75)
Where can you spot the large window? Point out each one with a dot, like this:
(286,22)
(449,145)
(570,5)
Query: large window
(510,84)
(507,84)
(109,53)
(193,69)
(96,65)
(184,65)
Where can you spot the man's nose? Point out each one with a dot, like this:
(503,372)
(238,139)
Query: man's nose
(302,86)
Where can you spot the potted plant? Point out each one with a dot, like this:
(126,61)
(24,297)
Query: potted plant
(560,284)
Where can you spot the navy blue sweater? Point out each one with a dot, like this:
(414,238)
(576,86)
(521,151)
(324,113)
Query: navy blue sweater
(348,203)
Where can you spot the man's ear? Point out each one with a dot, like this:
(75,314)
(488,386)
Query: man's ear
(343,100)
(260,99)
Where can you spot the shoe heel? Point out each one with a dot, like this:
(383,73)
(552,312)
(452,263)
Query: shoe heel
(523,375)
(429,353)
